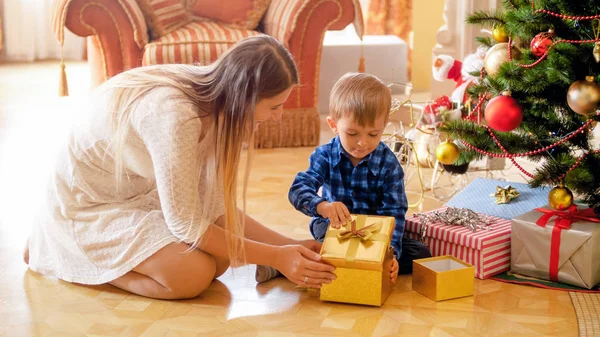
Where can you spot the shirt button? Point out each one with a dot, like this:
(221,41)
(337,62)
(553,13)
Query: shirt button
(354,193)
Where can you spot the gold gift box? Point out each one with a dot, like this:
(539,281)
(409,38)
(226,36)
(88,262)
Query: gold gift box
(362,264)
(443,277)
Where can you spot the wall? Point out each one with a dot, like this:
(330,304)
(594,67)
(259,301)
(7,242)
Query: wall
(427,19)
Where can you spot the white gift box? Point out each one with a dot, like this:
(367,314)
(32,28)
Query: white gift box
(385,57)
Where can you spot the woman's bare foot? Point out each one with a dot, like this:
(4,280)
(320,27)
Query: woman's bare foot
(26,252)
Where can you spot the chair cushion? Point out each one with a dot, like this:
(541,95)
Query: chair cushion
(164,16)
(197,42)
(242,14)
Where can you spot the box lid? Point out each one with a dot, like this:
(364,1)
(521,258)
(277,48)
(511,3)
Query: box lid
(499,232)
(477,197)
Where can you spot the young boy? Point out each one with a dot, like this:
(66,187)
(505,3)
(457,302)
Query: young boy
(358,174)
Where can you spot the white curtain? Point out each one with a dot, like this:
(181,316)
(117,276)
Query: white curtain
(28,34)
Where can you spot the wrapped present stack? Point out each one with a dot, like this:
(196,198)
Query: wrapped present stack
(560,246)
(497,225)
(477,239)
(475,225)
(362,255)
(480,196)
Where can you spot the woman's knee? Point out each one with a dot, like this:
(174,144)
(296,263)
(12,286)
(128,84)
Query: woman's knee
(194,277)
(181,273)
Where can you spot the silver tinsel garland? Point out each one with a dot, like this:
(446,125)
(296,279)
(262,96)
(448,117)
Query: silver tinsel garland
(454,217)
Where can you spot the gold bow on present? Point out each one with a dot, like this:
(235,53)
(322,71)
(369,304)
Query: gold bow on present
(364,233)
(358,233)
(505,195)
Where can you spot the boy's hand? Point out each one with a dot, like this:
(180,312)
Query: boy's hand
(336,212)
(394,271)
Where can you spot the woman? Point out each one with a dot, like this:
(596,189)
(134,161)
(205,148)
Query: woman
(144,192)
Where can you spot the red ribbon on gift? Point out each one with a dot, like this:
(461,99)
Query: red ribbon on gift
(564,220)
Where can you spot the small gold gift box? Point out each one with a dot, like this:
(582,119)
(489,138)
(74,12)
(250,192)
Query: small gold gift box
(443,277)
(362,255)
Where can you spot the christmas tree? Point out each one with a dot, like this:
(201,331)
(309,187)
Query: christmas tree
(539,99)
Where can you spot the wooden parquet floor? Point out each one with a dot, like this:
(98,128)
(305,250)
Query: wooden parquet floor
(33,305)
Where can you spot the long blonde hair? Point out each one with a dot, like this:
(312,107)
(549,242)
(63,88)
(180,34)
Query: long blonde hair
(228,89)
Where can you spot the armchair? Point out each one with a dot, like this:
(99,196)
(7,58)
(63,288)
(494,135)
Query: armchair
(119,39)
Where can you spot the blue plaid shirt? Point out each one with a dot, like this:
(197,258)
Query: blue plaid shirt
(375,186)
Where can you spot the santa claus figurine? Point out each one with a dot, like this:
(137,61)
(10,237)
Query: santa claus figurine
(445,67)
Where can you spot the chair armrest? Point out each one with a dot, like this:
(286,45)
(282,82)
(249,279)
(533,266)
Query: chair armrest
(301,25)
(286,17)
(118,27)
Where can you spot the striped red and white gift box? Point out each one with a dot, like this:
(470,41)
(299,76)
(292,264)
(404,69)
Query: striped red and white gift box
(487,250)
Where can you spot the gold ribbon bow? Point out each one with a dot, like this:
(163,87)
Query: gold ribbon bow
(358,233)
(505,195)
(364,233)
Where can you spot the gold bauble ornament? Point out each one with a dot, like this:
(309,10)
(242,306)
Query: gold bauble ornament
(447,153)
(499,34)
(560,198)
(497,56)
(596,52)
(583,97)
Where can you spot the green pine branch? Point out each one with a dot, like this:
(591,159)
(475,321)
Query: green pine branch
(485,41)
(510,4)
(515,4)
(486,19)
(541,92)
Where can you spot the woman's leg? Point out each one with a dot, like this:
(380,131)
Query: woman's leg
(222,264)
(173,272)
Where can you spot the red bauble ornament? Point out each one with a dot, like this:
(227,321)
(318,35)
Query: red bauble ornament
(541,43)
(503,113)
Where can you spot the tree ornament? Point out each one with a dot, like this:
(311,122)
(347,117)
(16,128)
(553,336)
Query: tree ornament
(596,51)
(503,113)
(497,56)
(560,198)
(499,33)
(583,97)
(447,153)
(541,43)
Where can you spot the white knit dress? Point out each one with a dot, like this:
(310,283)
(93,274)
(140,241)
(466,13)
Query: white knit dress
(87,232)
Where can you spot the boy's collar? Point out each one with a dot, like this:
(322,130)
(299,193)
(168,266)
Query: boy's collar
(338,152)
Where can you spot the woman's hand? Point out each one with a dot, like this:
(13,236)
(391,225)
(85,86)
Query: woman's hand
(311,244)
(336,212)
(303,266)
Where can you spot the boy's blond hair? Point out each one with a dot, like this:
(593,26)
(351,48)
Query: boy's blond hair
(362,97)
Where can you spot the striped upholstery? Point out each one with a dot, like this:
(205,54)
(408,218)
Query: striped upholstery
(130,7)
(280,19)
(164,16)
(197,42)
(241,14)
